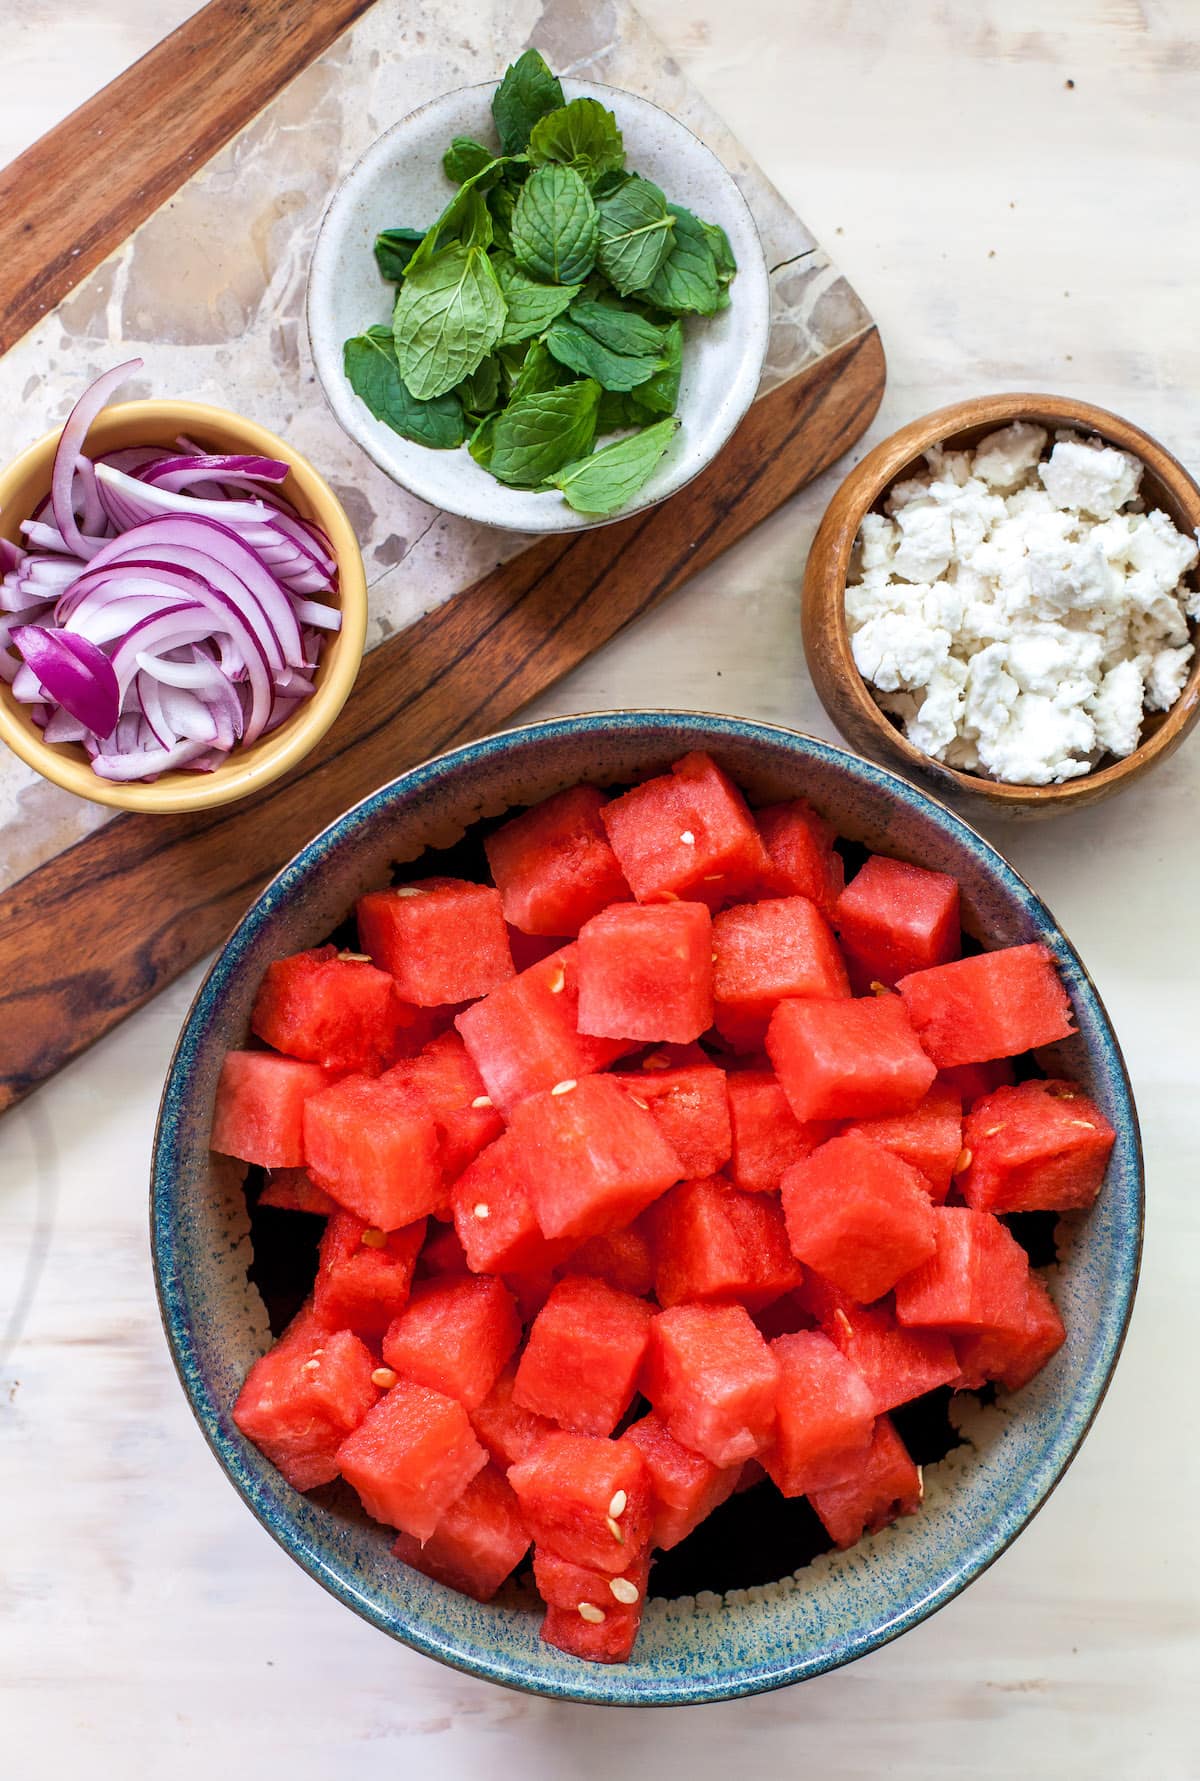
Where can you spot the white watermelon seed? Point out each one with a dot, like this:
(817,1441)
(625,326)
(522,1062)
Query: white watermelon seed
(992,1130)
(588,1611)
(482,1101)
(963,1161)
(358,958)
(384,1378)
(483,1210)
(642,1104)
(558,982)
(921,1484)
(656,1061)
(1085,1123)
(844,1321)
(408,890)
(564,1088)
(374,1239)
(617,1506)
(624,1590)
(712,878)
(688,839)
(614,1528)
(310,1366)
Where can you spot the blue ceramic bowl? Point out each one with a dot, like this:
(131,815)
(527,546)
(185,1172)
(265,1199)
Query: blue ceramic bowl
(709,1647)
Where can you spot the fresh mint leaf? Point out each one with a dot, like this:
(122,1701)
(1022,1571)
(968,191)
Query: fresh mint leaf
(537,434)
(373,375)
(466,158)
(480,443)
(448,317)
(501,200)
(634,234)
(722,253)
(554,226)
(620,328)
(610,477)
(575,347)
(609,183)
(620,409)
(466,220)
(394,248)
(480,392)
(583,135)
(531,306)
(528,91)
(686,283)
(660,393)
(540,371)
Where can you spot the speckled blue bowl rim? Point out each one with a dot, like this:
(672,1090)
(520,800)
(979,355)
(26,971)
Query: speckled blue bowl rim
(595,1684)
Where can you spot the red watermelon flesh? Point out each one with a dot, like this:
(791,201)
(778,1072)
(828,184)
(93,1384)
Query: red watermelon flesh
(691,1109)
(858,1216)
(258,1115)
(494,1215)
(851,1059)
(687,835)
(1013,1357)
(302,1399)
(929,1139)
(1036,1147)
(712,1379)
(411,1457)
(717,1245)
(553,865)
(377,1154)
(364,1275)
(972,1081)
(480,1540)
(593,1159)
(333,1009)
(587,1499)
(507,1431)
(292,1190)
(442,1253)
(562,1584)
(645,973)
(607,1641)
(443,940)
(454,1335)
(894,918)
(976,1281)
(530,949)
(623,1259)
(804,861)
(884,1485)
(895,1364)
(824,1416)
(765,952)
(994,1005)
(766,1137)
(581,1362)
(444,1084)
(686,1486)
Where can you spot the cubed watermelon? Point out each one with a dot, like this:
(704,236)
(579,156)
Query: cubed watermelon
(850,1059)
(587,1499)
(442,1252)
(364,1274)
(972,1081)
(686,1486)
(929,1139)
(716,1244)
(444,1084)
(553,865)
(584,1354)
(977,1280)
(302,1399)
(411,1457)
(258,1115)
(893,918)
(1037,1147)
(624,1259)
(494,1215)
(691,1109)
(530,949)
(858,1216)
(824,1416)
(524,1037)
(454,1335)
(766,1138)
(687,834)
(804,860)
(508,1432)
(1013,1357)
(895,1364)
(377,1154)
(884,1485)
(293,1190)
(562,1584)
(712,1380)
(443,940)
(593,1159)
(480,1540)
(996,1004)
(646,973)
(606,1637)
(764,952)
(334,1009)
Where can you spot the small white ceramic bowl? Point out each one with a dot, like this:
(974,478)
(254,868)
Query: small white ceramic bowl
(399,183)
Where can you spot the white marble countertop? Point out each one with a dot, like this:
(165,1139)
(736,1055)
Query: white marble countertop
(1007,229)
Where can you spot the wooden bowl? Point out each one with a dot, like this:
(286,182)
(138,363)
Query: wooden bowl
(842,689)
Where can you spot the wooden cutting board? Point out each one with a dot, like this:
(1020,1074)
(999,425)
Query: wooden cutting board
(98,928)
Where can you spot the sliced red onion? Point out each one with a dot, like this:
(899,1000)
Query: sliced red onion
(70,446)
(11,556)
(130,761)
(177,473)
(74,674)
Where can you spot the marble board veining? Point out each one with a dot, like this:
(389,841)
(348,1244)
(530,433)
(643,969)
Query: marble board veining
(210,292)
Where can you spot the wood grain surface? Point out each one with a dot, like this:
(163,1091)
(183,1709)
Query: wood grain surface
(80,190)
(146,896)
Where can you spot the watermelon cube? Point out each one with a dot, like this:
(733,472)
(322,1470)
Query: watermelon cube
(333,1009)
(717,1245)
(606,1637)
(894,1363)
(524,1037)
(766,1138)
(364,1274)
(824,1416)
(893,918)
(442,1253)
(1013,1357)
(562,1584)
(1036,1147)
(374,1151)
(646,973)
(976,1281)
(411,1457)
(691,1109)
(686,1486)
(858,1216)
(479,1541)
(443,940)
(764,952)
(302,1399)
(687,834)
(584,1355)
(293,1190)
(587,1499)
(444,1084)
(884,1485)
(593,1159)
(507,1431)
(852,1059)
(712,1380)
(624,1259)
(553,865)
(531,949)
(804,860)
(972,1081)
(258,1115)
(454,1335)
(928,1139)
(994,1005)
(494,1215)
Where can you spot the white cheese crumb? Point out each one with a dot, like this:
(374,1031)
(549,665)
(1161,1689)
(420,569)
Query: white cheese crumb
(1088,477)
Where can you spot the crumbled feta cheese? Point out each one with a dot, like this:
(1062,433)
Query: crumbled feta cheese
(1116,708)
(897,651)
(1005,458)
(1089,477)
